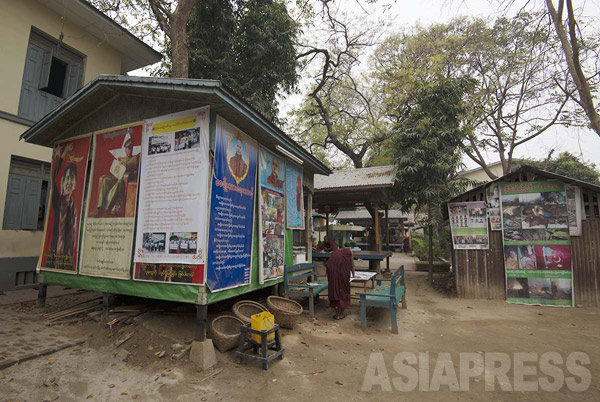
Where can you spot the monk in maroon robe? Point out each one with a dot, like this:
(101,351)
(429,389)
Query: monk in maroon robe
(339,268)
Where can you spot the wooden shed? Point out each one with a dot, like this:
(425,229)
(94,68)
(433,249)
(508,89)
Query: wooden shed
(197,131)
(481,274)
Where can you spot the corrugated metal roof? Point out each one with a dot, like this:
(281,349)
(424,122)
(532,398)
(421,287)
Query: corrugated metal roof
(106,89)
(364,214)
(379,176)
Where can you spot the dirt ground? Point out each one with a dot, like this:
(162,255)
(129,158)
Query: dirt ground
(324,359)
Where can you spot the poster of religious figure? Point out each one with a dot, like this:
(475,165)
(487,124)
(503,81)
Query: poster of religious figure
(112,193)
(232,204)
(173,195)
(294,196)
(272,216)
(61,230)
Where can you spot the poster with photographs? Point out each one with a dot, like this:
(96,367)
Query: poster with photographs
(294,196)
(107,240)
(468,223)
(574,209)
(232,205)
(537,251)
(492,194)
(272,216)
(173,195)
(61,230)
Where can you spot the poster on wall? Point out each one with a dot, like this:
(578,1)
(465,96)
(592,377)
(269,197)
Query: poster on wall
(492,194)
(232,200)
(537,251)
(173,195)
(574,209)
(170,273)
(272,216)
(468,223)
(109,221)
(294,196)
(61,230)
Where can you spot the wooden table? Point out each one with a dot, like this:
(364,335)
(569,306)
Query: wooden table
(374,257)
(364,277)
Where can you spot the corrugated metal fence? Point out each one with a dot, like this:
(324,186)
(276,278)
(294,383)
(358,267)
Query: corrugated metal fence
(585,251)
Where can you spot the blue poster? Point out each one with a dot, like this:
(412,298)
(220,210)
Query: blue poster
(272,216)
(294,197)
(231,209)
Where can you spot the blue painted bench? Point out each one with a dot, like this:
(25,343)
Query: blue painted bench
(308,271)
(385,296)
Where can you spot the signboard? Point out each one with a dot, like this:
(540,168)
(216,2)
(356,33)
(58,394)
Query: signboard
(272,216)
(294,197)
(112,194)
(231,209)
(173,195)
(574,209)
(492,194)
(537,251)
(61,231)
(468,223)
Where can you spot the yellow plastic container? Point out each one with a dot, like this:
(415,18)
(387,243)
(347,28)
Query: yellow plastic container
(262,322)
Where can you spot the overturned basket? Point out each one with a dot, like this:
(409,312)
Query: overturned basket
(225,332)
(286,311)
(245,309)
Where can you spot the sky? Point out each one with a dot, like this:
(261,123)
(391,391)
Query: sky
(398,14)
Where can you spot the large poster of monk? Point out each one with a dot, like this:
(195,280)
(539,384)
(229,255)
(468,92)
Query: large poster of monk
(61,231)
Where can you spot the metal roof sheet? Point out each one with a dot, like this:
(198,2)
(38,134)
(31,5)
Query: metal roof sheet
(379,176)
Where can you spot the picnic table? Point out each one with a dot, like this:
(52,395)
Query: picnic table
(374,257)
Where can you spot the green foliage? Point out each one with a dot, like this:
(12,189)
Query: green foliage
(421,248)
(566,164)
(427,145)
(247,44)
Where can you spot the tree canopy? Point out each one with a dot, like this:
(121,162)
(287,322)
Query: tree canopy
(566,164)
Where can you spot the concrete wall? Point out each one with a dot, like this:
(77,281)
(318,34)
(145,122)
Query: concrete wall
(19,17)
(481,176)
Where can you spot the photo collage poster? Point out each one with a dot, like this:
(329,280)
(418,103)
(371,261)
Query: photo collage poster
(61,232)
(109,224)
(173,199)
(294,196)
(232,202)
(272,216)
(537,250)
(492,194)
(468,223)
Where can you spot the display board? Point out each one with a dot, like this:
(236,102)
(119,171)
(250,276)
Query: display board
(468,223)
(272,216)
(173,198)
(537,251)
(294,196)
(574,209)
(61,231)
(492,195)
(232,202)
(109,221)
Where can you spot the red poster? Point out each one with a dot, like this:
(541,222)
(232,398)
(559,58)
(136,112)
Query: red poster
(170,273)
(61,234)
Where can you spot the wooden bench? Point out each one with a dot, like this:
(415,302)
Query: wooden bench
(385,296)
(308,271)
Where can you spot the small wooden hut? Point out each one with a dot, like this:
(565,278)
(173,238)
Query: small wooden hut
(480,274)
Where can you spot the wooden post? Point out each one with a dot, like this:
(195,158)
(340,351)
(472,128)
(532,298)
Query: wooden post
(308,227)
(377,240)
(327,224)
(41,302)
(387,236)
(201,311)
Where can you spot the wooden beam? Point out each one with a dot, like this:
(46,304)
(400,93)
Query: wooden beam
(308,227)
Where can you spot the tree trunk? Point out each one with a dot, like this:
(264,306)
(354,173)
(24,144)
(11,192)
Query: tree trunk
(180,49)
(430,233)
(571,52)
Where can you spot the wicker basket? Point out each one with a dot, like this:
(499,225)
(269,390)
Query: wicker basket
(246,308)
(225,332)
(286,311)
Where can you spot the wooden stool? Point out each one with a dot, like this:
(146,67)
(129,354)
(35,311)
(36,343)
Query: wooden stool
(246,343)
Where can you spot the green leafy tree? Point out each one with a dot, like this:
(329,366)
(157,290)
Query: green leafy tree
(247,44)
(427,145)
(566,164)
